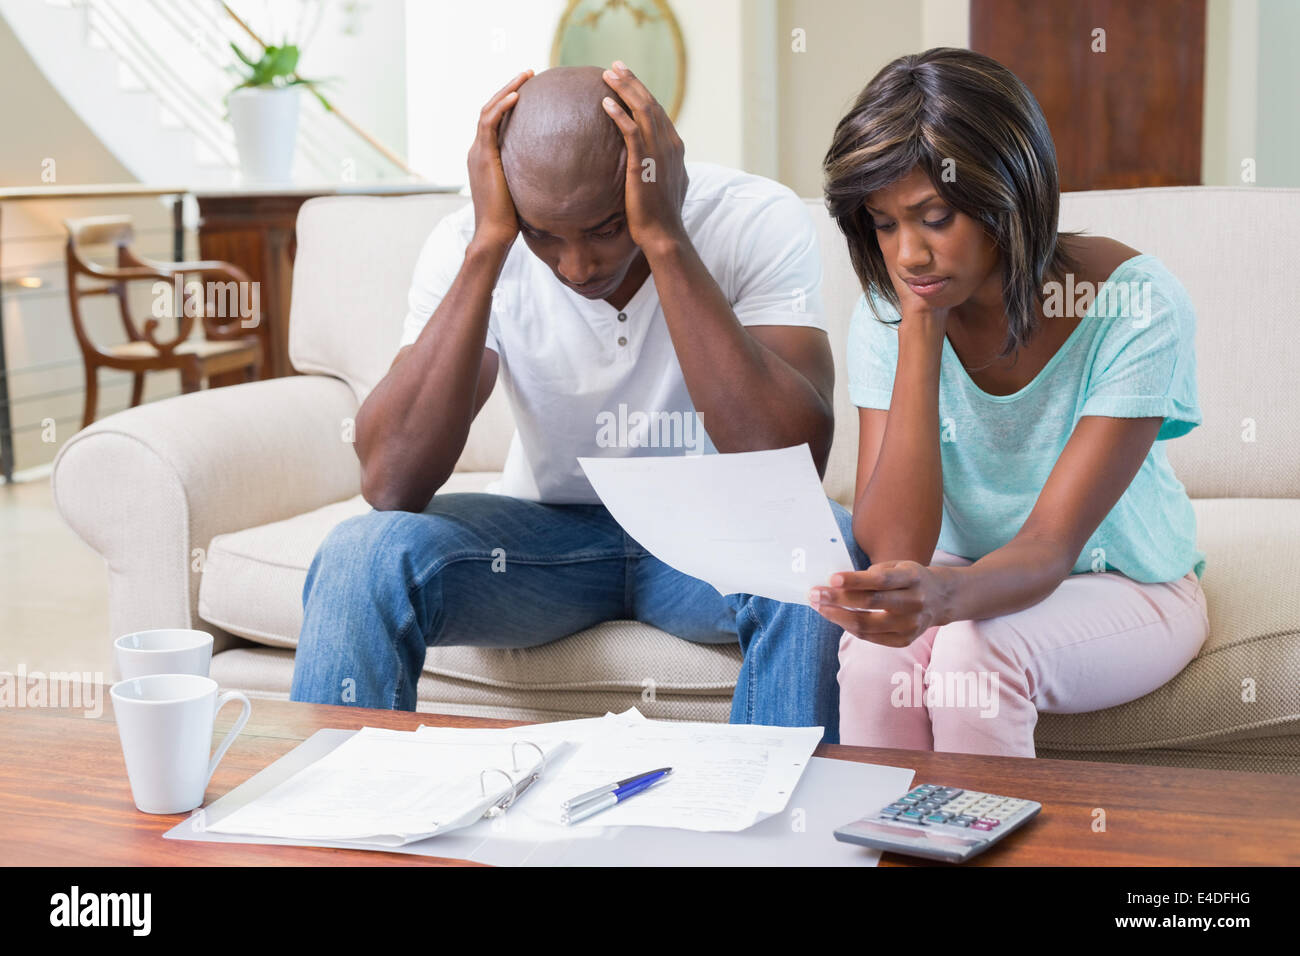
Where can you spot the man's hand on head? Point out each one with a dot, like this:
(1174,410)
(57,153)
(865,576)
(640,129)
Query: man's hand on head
(495,218)
(656,166)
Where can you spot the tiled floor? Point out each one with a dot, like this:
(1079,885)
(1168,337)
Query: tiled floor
(53,588)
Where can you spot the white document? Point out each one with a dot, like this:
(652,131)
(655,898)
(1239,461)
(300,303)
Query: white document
(726,777)
(390,787)
(753,522)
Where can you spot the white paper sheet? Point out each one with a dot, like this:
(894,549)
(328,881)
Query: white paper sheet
(391,787)
(752,522)
(725,778)
(830,793)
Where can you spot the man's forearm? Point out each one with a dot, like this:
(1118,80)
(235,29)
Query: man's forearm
(749,398)
(1017,575)
(900,511)
(412,428)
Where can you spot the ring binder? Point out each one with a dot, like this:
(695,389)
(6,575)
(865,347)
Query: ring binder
(516,787)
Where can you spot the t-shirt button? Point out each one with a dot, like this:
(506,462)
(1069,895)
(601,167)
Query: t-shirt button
(622,340)
(622,316)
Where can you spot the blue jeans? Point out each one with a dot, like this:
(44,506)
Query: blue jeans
(496,571)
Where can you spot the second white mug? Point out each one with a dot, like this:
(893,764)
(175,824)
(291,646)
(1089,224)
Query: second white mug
(168,650)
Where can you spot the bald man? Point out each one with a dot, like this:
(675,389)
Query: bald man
(652,308)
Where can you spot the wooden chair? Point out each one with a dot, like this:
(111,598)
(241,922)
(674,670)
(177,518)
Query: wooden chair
(225,349)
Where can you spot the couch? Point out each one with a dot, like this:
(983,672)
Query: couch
(208,507)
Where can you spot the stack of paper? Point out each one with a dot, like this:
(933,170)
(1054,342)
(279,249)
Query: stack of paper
(390,788)
(726,777)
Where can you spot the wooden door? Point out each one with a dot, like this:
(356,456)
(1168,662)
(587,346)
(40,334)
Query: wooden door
(1120,82)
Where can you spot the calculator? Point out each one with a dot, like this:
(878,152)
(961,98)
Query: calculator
(940,823)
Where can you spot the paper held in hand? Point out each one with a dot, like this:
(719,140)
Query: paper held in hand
(752,522)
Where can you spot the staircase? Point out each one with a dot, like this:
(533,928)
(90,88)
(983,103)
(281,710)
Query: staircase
(148,78)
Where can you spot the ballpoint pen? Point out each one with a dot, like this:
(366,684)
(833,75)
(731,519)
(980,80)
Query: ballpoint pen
(611,799)
(609,788)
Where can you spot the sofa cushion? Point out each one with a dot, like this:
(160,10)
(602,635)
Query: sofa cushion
(268,672)
(1243,682)
(252,587)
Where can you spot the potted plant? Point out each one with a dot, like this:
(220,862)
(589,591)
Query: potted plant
(264,113)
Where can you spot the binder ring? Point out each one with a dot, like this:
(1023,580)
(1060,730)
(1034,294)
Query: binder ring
(482,786)
(514,756)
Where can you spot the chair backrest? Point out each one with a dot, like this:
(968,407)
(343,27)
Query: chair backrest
(1231,248)
(100,230)
(117,231)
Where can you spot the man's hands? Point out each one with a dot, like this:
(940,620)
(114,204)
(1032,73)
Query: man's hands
(656,167)
(891,603)
(495,220)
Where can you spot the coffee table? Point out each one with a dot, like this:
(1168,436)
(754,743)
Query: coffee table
(65,800)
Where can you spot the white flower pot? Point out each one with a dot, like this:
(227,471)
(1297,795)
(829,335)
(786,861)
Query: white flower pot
(266,129)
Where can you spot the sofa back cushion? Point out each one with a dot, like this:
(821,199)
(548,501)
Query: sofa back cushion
(1235,250)
(352,273)
(1232,248)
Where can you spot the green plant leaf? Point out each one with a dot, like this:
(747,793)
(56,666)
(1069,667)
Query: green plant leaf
(240,53)
(285,61)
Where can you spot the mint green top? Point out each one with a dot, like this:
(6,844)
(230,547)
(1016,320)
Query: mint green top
(1132,356)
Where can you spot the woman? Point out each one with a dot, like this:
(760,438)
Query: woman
(1031,548)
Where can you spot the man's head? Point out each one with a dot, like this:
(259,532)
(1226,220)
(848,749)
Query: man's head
(565,166)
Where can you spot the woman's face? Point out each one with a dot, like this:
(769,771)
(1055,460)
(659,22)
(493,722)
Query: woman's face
(941,254)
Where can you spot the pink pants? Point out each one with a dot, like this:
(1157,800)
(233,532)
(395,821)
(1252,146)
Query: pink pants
(1098,640)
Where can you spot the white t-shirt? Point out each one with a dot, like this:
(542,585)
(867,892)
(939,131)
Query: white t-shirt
(586,380)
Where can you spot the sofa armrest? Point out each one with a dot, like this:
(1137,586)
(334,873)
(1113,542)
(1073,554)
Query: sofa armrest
(148,488)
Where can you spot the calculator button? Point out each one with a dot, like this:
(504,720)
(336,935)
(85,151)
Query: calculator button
(980,825)
(991,821)
(952,792)
(937,818)
(909,799)
(960,822)
(896,806)
(910,814)
(889,812)
(965,819)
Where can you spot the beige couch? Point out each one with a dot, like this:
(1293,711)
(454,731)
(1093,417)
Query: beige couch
(208,507)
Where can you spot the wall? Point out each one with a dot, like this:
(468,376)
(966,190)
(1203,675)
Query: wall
(458,55)
(847,42)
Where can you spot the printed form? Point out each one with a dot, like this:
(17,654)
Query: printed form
(755,522)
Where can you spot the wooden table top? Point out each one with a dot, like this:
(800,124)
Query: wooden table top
(65,799)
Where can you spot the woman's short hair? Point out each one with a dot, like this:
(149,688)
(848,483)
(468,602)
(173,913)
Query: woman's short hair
(979,134)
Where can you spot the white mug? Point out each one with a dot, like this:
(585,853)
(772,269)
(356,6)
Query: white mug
(165,724)
(169,650)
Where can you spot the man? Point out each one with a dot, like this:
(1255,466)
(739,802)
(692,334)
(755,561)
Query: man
(636,287)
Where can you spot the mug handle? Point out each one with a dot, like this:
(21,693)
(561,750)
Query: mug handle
(224,699)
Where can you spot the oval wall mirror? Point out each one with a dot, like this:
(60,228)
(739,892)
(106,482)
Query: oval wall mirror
(644,34)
